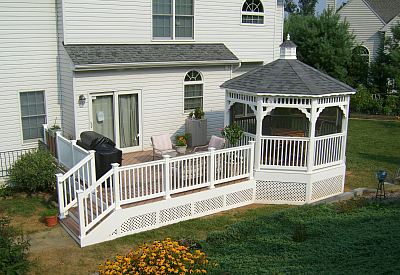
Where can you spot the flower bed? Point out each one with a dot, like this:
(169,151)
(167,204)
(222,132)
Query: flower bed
(160,257)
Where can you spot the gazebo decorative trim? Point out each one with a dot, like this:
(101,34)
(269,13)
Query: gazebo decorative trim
(302,164)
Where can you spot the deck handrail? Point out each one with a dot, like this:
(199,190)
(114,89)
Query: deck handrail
(161,178)
(79,177)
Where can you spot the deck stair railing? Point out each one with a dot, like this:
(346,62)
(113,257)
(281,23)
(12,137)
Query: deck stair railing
(162,178)
(80,177)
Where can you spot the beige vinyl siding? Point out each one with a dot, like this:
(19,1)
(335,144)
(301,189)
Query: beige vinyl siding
(364,23)
(65,79)
(130,21)
(162,96)
(28,59)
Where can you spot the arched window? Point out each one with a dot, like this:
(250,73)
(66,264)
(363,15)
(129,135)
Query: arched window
(363,52)
(253,12)
(193,94)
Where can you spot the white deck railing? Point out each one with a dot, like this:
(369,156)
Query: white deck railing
(246,138)
(328,150)
(68,153)
(79,177)
(284,152)
(162,178)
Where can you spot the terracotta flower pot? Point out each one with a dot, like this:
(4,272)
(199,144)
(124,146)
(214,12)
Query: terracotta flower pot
(51,220)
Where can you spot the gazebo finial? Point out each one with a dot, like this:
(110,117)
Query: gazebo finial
(288,49)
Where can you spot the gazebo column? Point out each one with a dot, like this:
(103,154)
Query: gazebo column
(311,145)
(259,122)
(227,110)
(345,123)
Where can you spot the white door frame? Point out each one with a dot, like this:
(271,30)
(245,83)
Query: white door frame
(115,95)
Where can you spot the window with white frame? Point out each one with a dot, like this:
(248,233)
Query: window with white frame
(193,91)
(253,12)
(173,19)
(33,114)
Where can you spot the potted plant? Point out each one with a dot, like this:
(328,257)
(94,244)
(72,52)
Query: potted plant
(50,216)
(181,143)
(233,133)
(196,126)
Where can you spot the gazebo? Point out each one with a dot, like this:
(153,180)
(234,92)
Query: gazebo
(298,118)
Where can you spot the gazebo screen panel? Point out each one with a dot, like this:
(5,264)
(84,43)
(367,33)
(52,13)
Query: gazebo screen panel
(285,122)
(244,116)
(329,122)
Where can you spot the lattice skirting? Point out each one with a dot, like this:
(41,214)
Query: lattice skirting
(280,192)
(326,188)
(142,218)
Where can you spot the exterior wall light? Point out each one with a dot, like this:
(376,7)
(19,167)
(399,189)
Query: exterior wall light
(81,100)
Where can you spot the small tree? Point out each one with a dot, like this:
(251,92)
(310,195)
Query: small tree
(307,7)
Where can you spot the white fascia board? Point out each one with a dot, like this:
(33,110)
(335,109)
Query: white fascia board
(114,66)
(291,95)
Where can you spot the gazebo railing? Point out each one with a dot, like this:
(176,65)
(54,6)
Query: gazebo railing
(328,150)
(284,152)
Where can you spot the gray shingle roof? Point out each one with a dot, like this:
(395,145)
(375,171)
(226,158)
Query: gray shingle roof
(287,77)
(141,53)
(386,9)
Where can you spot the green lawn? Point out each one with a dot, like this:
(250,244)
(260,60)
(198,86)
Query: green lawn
(356,237)
(371,145)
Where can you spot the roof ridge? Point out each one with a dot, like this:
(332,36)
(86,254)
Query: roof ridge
(328,76)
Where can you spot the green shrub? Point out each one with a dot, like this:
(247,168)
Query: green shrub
(13,249)
(233,133)
(34,172)
(362,102)
(392,105)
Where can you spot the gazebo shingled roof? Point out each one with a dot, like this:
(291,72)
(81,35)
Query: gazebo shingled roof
(287,77)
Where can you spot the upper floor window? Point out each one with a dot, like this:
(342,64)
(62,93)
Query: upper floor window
(173,19)
(33,114)
(253,12)
(193,95)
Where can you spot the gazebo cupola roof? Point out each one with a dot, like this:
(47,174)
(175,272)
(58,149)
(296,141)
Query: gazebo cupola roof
(288,76)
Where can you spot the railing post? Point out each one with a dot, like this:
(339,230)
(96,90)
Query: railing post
(73,144)
(117,194)
(311,142)
(92,168)
(81,212)
(167,176)
(44,134)
(252,143)
(57,146)
(60,193)
(212,167)
(259,122)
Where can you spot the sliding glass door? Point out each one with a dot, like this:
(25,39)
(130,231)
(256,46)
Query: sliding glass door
(128,120)
(117,116)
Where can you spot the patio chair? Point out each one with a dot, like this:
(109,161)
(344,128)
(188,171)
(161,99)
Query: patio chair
(162,146)
(215,142)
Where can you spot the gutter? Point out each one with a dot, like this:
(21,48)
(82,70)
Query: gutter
(115,66)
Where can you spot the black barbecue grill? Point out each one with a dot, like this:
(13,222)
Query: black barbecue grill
(106,153)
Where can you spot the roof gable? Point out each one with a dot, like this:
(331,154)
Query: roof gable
(385,9)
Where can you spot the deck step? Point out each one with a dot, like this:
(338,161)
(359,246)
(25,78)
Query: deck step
(72,228)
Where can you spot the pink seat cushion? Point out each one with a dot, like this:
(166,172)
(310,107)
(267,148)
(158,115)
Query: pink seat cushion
(216,142)
(162,142)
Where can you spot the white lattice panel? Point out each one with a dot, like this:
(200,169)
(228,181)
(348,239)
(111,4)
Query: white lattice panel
(139,222)
(239,197)
(208,205)
(175,213)
(327,187)
(280,191)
